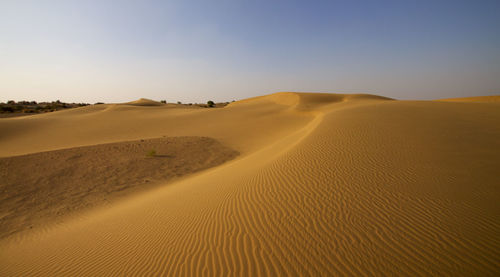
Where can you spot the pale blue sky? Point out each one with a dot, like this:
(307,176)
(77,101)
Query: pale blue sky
(193,51)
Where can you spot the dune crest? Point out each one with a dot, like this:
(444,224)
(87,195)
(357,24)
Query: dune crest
(144,102)
(306,100)
(483,99)
(326,184)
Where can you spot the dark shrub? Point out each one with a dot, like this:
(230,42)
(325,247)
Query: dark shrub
(7,109)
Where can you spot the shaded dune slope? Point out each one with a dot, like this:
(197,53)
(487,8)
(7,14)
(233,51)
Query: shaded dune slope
(48,186)
(331,184)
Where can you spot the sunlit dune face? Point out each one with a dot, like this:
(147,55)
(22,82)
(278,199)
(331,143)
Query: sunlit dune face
(323,184)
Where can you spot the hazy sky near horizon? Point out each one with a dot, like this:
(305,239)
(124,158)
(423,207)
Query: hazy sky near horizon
(194,51)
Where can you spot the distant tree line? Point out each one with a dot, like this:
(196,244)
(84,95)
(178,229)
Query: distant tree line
(209,104)
(36,107)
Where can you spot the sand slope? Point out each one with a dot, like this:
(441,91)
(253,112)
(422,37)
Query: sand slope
(47,186)
(325,184)
(144,102)
(481,99)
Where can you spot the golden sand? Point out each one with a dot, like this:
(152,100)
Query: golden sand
(325,184)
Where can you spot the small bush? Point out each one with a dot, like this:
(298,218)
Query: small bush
(151,153)
(210,103)
(163,101)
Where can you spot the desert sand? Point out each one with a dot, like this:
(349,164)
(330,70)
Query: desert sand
(293,184)
(482,99)
(50,185)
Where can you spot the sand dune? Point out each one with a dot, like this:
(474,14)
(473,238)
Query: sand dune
(144,102)
(325,184)
(46,186)
(484,99)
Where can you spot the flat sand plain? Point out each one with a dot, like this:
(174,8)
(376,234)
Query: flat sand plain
(324,184)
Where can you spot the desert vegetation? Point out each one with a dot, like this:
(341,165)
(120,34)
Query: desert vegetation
(13,108)
(209,104)
(151,153)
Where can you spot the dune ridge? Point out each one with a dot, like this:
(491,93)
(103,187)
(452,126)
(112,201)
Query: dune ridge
(482,99)
(329,185)
(144,102)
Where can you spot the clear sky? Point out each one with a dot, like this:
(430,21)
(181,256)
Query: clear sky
(194,51)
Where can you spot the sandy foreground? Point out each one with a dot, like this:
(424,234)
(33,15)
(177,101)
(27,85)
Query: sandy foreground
(284,184)
(48,186)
